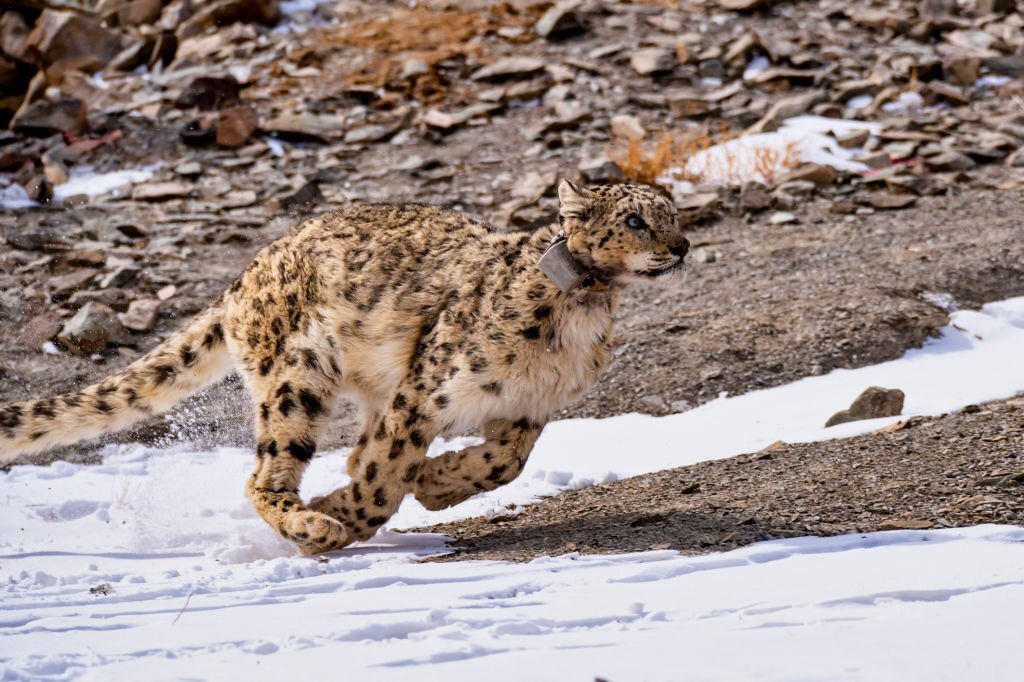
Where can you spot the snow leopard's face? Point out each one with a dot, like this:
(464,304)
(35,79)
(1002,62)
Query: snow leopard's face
(623,233)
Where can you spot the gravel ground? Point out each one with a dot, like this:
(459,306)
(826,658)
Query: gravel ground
(955,470)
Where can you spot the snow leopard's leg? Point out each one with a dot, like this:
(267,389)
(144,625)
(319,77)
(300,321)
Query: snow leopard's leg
(384,466)
(352,462)
(292,405)
(455,476)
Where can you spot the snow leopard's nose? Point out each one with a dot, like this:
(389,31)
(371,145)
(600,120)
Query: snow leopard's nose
(681,249)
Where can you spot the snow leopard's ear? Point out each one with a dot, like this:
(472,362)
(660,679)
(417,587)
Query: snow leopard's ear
(574,202)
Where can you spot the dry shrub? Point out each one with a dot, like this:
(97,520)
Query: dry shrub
(430,35)
(424,29)
(643,161)
(768,160)
(370,52)
(125,491)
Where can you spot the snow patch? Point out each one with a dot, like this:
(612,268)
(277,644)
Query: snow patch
(907,101)
(85,181)
(756,66)
(860,101)
(992,81)
(15,196)
(802,139)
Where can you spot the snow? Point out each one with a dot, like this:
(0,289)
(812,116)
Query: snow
(299,15)
(992,81)
(199,588)
(756,65)
(907,101)
(276,146)
(82,180)
(748,158)
(291,7)
(86,181)
(15,196)
(860,101)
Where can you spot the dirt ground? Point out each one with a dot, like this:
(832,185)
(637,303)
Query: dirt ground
(937,472)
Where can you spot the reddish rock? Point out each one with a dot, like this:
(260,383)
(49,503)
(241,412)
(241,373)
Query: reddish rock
(236,125)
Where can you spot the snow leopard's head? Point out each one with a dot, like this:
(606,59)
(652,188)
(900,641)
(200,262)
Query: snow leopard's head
(623,233)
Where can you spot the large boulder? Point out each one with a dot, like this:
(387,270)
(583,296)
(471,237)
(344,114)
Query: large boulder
(873,403)
(71,39)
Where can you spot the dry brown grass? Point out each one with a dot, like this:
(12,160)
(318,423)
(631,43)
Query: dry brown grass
(644,161)
(125,491)
(673,154)
(424,29)
(384,42)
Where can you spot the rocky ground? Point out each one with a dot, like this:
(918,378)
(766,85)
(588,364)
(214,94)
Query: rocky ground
(935,472)
(249,119)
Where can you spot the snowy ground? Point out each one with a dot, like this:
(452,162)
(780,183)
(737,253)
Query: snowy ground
(197,587)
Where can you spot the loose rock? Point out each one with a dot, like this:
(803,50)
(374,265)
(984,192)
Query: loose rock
(210,93)
(782,217)
(70,39)
(141,315)
(889,201)
(236,125)
(873,403)
(754,197)
(628,127)
(812,172)
(162,191)
(560,21)
(510,67)
(91,329)
(44,118)
(303,199)
(652,61)
(317,126)
(39,330)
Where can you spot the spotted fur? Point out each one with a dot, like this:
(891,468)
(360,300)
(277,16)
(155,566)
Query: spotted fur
(432,322)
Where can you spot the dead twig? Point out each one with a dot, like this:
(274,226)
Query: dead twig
(187,600)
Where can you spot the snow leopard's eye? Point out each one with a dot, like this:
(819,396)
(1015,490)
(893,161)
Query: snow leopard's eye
(636,222)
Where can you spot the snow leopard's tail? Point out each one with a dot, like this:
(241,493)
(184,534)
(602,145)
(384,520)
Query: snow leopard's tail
(189,361)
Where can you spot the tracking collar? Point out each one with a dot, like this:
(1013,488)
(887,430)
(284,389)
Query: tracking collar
(562,269)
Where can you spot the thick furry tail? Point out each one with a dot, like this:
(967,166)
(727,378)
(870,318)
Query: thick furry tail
(191,360)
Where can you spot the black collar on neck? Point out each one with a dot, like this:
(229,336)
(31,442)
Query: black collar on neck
(562,269)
